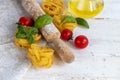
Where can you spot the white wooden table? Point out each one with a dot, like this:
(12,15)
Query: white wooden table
(100,60)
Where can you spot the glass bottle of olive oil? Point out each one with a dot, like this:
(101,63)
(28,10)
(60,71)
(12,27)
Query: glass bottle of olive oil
(85,8)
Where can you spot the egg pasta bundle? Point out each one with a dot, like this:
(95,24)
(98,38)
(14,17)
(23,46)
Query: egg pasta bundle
(53,7)
(40,56)
(23,43)
(66,25)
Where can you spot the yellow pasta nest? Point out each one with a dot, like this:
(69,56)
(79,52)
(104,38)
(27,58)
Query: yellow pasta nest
(53,7)
(23,43)
(41,56)
(67,25)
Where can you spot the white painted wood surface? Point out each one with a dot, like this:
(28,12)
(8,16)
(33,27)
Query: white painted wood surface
(100,60)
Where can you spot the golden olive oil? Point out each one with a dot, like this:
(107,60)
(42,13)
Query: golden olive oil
(86,8)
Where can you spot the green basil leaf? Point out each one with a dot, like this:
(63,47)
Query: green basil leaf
(28,35)
(82,22)
(31,39)
(43,20)
(33,31)
(68,19)
(19,35)
(22,29)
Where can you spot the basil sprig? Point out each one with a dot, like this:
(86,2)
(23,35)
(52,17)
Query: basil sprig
(24,33)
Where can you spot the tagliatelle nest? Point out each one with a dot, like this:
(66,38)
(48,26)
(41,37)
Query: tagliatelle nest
(23,43)
(67,25)
(40,56)
(53,7)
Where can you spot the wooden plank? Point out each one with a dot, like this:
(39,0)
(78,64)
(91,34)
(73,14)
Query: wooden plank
(111,9)
(99,61)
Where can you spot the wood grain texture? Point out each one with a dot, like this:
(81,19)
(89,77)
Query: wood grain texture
(100,60)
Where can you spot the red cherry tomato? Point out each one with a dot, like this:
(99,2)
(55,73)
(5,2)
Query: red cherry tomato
(66,34)
(81,41)
(26,21)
